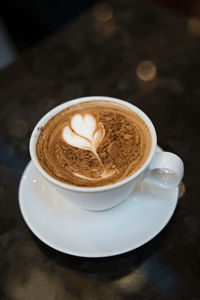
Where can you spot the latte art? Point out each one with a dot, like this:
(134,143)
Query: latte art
(84,133)
(93,143)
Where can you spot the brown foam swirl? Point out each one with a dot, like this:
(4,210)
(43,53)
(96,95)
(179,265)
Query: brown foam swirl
(108,145)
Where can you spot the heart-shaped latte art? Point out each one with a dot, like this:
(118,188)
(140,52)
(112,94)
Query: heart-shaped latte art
(84,133)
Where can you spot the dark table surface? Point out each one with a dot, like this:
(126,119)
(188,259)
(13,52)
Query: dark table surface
(102,54)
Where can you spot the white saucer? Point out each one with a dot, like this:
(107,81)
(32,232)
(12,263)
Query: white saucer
(72,230)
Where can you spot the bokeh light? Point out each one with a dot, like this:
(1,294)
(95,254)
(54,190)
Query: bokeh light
(146,70)
(105,23)
(147,76)
(194,27)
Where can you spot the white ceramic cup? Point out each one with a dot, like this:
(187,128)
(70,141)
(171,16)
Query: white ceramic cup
(163,168)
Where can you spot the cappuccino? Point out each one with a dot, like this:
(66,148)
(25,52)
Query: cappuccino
(93,143)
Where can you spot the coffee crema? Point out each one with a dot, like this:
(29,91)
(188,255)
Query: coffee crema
(93,143)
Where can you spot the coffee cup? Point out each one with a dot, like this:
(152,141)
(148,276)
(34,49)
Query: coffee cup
(162,168)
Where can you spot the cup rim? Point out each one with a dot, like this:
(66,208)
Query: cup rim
(41,123)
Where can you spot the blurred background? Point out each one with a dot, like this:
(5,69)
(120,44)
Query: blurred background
(25,23)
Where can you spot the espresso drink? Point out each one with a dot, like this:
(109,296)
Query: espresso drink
(94,143)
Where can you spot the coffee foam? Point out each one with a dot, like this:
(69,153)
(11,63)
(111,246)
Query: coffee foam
(93,144)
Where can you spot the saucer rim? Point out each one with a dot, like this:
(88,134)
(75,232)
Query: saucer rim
(81,254)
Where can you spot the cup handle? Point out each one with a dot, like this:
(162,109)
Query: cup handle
(166,170)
